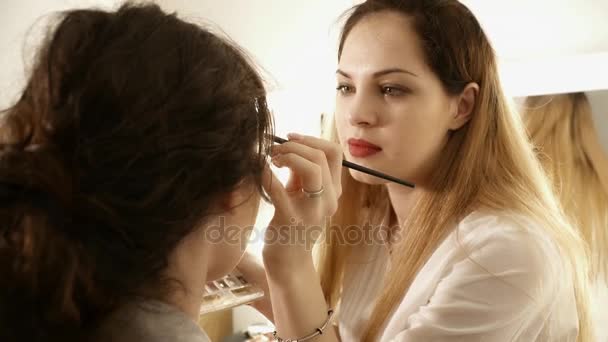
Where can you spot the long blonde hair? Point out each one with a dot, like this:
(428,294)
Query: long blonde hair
(488,163)
(561,126)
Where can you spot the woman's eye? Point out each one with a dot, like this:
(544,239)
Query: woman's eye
(393,91)
(344,89)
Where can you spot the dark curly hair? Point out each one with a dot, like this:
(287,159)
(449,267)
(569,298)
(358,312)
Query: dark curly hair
(132,125)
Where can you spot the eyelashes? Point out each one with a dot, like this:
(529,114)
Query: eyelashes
(387,90)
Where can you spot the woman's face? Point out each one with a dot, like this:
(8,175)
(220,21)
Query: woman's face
(392,113)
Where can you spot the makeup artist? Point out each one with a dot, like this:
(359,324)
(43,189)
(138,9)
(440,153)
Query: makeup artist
(479,250)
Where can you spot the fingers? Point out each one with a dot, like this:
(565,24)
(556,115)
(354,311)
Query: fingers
(333,155)
(308,173)
(326,154)
(274,188)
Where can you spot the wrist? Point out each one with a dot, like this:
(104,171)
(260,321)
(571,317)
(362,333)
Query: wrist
(287,266)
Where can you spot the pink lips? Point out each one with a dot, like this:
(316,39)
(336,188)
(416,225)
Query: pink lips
(360,148)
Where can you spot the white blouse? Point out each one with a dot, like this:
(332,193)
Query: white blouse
(494,278)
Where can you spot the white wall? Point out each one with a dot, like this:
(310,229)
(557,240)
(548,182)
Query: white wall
(547,46)
(21,19)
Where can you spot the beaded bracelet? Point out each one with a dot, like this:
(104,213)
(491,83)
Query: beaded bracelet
(318,332)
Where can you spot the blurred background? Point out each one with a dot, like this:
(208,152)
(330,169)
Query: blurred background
(544,47)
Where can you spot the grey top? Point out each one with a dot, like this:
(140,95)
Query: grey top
(150,321)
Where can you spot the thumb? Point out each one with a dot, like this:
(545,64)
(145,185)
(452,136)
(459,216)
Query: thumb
(275,190)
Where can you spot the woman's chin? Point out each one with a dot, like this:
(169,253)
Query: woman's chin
(367,179)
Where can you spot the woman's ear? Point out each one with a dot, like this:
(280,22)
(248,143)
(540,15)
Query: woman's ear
(465,105)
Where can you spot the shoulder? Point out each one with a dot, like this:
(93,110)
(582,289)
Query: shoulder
(506,232)
(150,320)
(511,243)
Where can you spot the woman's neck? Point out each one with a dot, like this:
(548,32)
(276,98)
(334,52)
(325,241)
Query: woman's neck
(187,265)
(188,300)
(403,200)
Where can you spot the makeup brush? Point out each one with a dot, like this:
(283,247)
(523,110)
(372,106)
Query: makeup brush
(359,168)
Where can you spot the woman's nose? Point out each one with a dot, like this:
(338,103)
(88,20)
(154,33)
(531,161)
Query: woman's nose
(363,113)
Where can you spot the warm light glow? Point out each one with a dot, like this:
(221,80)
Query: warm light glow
(555,75)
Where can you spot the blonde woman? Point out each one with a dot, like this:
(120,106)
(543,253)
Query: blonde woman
(561,126)
(479,250)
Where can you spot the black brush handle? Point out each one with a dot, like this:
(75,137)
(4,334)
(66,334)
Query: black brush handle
(361,168)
